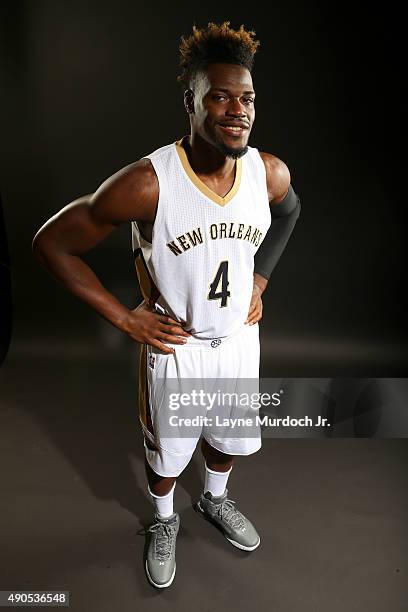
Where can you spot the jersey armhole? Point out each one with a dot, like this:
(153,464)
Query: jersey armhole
(261,169)
(158,220)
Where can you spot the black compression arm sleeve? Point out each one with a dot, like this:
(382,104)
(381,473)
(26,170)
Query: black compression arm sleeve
(284,217)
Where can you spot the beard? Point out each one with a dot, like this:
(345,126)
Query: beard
(228,151)
(232,153)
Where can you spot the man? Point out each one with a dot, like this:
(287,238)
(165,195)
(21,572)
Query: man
(200,210)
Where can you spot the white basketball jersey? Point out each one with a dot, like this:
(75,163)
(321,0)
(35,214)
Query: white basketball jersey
(199,266)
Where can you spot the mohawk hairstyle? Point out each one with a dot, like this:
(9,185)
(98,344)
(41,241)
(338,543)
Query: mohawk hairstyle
(215,43)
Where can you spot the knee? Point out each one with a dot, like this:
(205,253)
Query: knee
(215,458)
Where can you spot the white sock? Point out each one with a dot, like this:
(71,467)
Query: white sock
(215,482)
(163,504)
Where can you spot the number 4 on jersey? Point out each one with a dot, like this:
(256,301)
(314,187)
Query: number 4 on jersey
(221,277)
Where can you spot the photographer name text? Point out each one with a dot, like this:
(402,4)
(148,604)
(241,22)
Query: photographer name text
(263,421)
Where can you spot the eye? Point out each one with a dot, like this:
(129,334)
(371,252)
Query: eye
(248,101)
(219,97)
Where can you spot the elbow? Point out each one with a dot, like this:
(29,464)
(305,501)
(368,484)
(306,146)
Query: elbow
(39,246)
(36,245)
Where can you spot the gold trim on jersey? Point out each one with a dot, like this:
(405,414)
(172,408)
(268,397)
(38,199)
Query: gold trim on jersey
(149,291)
(202,186)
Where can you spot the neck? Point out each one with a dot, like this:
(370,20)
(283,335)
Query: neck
(204,158)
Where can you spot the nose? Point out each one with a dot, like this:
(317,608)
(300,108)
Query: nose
(235,108)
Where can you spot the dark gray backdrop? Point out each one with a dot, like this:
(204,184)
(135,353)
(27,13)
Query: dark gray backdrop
(89,87)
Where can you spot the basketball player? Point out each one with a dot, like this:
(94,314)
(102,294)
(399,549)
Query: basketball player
(200,209)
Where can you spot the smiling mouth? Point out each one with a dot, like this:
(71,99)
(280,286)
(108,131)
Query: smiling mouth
(233,130)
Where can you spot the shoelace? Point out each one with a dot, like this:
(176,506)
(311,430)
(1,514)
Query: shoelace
(164,539)
(230,514)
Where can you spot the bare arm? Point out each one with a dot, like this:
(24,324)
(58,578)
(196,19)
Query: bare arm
(130,194)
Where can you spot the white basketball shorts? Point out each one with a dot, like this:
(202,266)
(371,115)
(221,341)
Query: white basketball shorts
(167,404)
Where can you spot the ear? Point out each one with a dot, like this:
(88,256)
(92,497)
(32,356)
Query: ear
(189,101)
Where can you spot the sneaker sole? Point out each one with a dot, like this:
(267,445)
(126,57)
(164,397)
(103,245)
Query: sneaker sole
(160,586)
(201,512)
(241,546)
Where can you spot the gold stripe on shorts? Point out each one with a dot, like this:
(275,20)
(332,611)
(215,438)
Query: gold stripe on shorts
(144,407)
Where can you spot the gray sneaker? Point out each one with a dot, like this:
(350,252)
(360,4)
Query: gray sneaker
(161,552)
(222,512)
